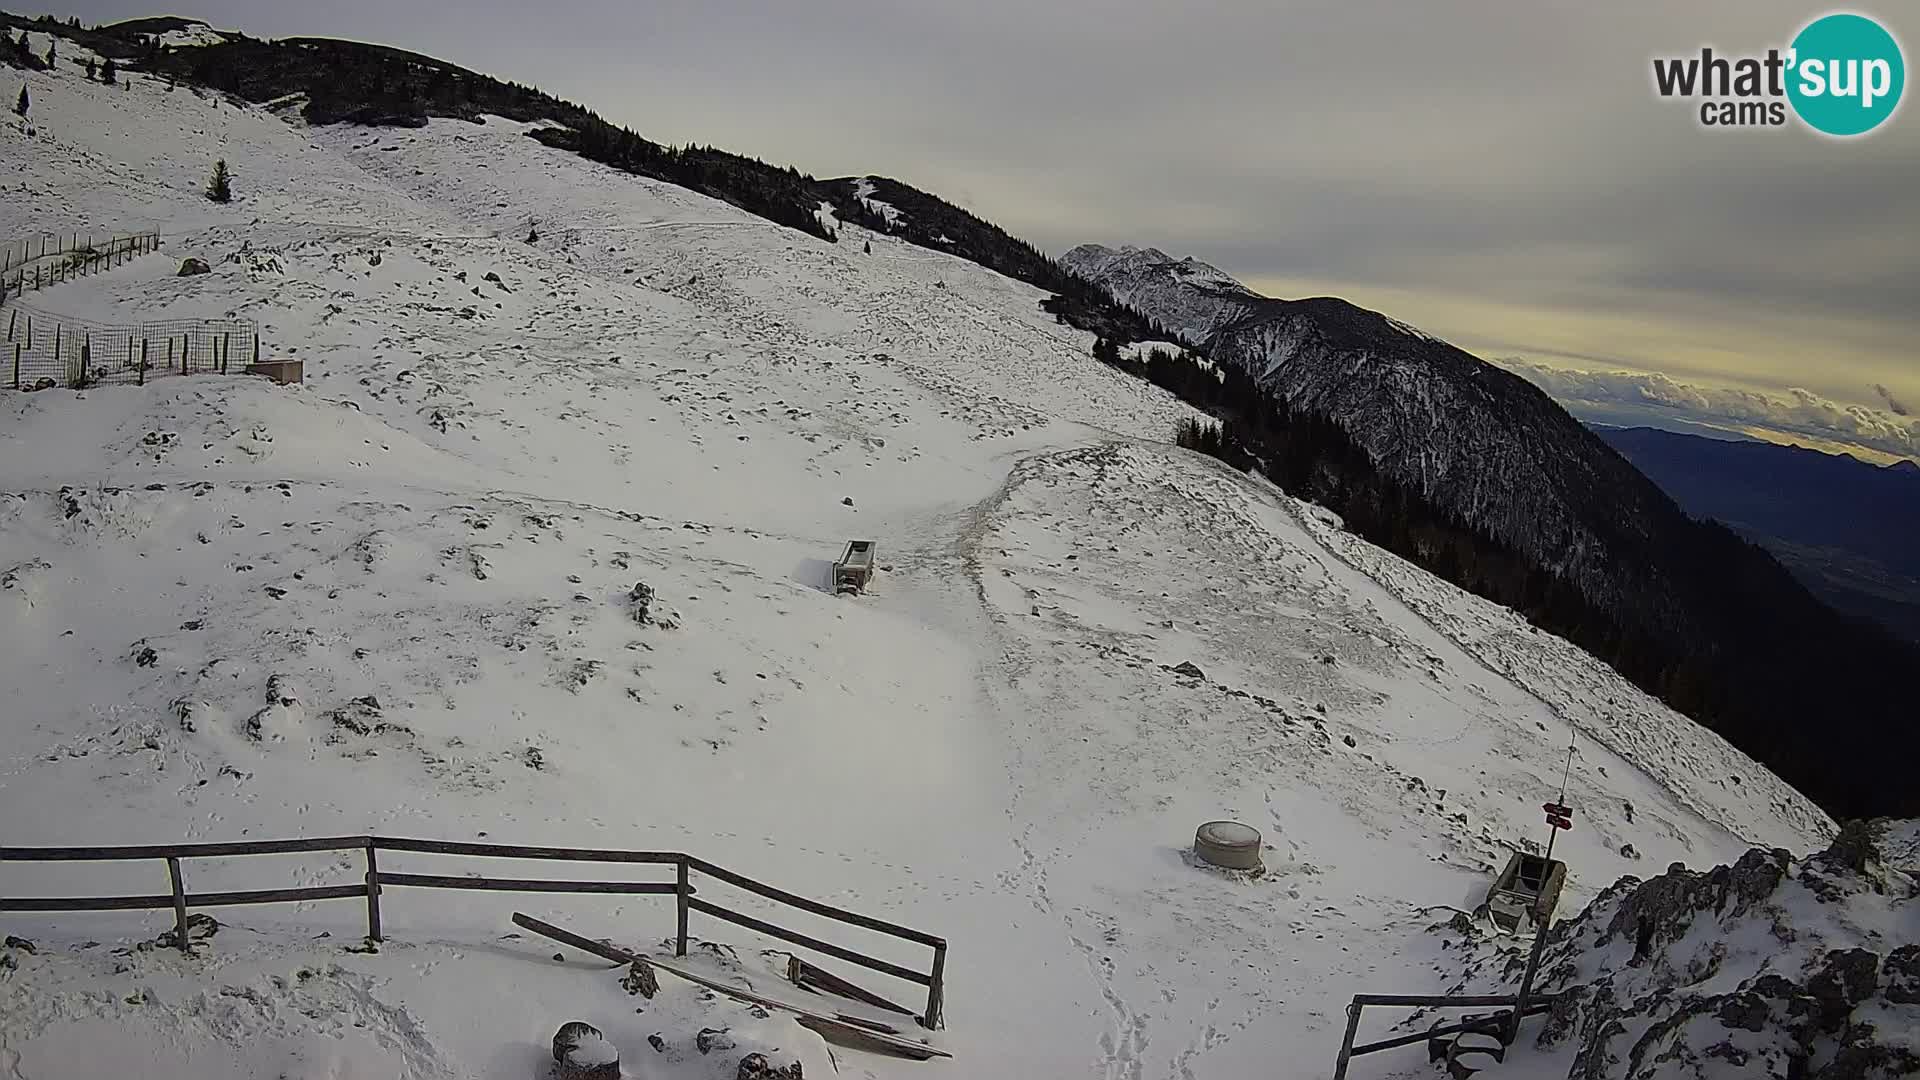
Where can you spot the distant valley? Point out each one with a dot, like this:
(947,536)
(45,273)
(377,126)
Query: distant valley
(1846,528)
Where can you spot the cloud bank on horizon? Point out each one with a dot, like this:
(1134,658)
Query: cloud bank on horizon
(1793,415)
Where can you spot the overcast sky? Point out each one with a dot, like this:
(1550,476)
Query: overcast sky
(1500,174)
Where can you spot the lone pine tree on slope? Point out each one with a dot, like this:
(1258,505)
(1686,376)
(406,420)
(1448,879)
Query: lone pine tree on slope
(220,188)
(21,105)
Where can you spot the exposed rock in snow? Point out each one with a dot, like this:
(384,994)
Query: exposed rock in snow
(640,597)
(640,980)
(1771,967)
(580,1052)
(757,1067)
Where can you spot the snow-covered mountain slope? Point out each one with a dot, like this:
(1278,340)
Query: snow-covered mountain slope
(1187,296)
(397,599)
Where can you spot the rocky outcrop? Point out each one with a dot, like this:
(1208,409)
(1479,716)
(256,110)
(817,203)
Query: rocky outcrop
(641,980)
(580,1052)
(757,1067)
(1772,967)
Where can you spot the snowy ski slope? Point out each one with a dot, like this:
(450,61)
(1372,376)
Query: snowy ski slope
(497,439)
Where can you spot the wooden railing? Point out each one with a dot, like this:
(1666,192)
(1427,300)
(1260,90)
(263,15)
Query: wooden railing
(82,257)
(376,880)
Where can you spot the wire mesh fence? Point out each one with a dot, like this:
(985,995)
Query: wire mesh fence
(27,265)
(45,350)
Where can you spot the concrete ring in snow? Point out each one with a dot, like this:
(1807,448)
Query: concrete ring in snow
(1228,844)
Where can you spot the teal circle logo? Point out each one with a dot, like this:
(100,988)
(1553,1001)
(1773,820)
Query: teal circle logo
(1847,74)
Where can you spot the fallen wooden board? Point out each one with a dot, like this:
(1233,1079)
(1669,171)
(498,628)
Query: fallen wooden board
(863,1030)
(811,977)
(851,1030)
(567,937)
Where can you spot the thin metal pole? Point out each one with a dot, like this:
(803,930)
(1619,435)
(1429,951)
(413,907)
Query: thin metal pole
(373,895)
(179,904)
(1554,833)
(1346,1044)
(1539,915)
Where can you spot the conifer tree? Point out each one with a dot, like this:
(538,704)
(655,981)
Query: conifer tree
(51,49)
(220,188)
(21,105)
(108,71)
(91,69)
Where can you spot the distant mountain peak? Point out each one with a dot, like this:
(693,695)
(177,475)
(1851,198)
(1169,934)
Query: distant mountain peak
(1192,298)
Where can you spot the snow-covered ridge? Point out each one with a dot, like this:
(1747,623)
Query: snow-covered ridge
(206,584)
(197,33)
(1187,296)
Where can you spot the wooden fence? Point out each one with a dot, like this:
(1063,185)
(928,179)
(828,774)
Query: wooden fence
(42,346)
(376,880)
(27,265)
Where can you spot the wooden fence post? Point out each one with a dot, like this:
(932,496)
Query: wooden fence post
(56,341)
(143,358)
(179,904)
(256,346)
(680,942)
(226,351)
(183,364)
(373,894)
(16,365)
(13,317)
(86,357)
(937,990)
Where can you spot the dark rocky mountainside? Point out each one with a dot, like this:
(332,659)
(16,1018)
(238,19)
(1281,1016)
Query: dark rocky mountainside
(1688,610)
